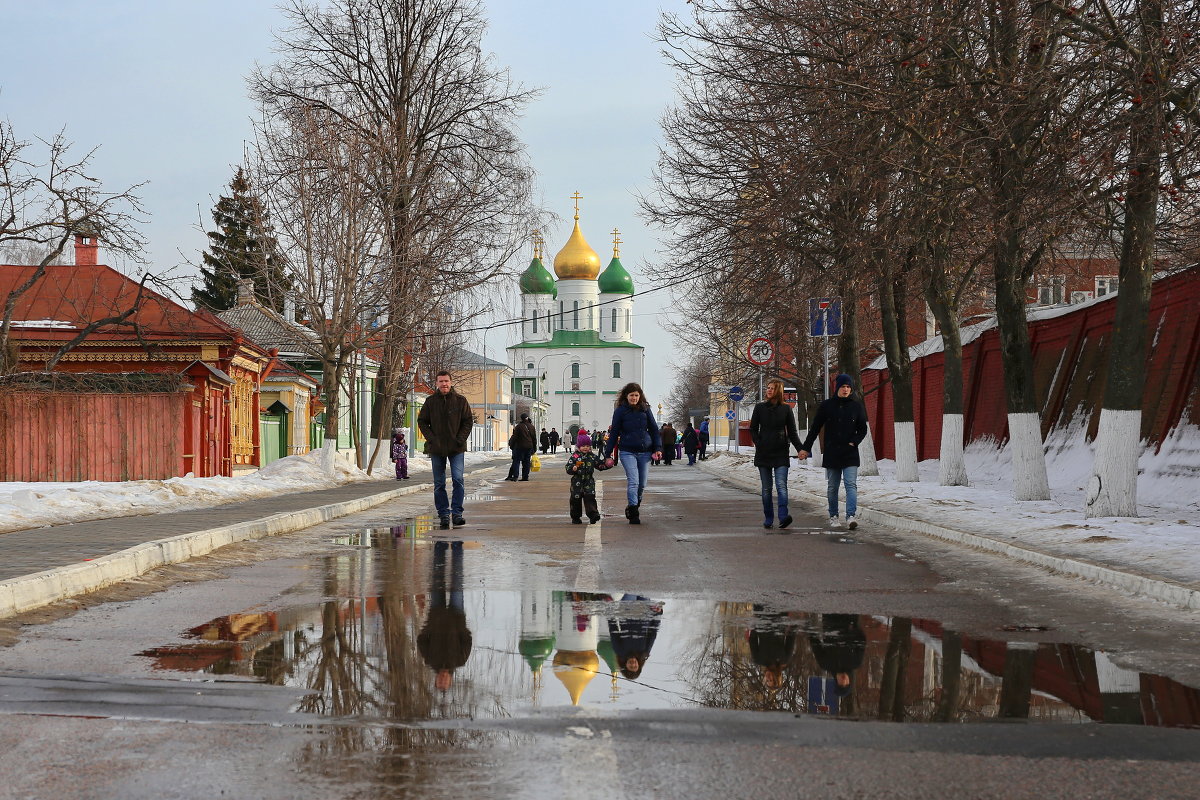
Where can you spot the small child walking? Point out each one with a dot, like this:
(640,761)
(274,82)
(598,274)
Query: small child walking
(400,454)
(581,466)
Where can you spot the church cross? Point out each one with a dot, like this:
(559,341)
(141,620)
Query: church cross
(577,197)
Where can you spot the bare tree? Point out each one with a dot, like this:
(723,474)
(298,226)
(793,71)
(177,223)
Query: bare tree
(44,205)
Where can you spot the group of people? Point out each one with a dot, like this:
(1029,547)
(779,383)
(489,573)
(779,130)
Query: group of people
(635,439)
(550,440)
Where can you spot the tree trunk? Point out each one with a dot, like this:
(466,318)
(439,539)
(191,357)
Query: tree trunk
(895,345)
(895,668)
(1017,688)
(1112,490)
(947,709)
(952,467)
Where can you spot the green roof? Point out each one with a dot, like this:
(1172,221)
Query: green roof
(615,280)
(588,338)
(537,279)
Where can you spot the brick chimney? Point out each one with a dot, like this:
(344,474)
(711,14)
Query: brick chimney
(245,291)
(87,249)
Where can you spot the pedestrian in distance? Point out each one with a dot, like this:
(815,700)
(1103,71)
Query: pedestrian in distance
(844,421)
(772,428)
(669,436)
(544,441)
(555,440)
(522,443)
(445,640)
(703,436)
(678,446)
(635,435)
(400,453)
(445,420)
(691,443)
(581,466)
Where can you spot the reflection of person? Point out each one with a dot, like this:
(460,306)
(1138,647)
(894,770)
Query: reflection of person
(446,422)
(400,454)
(772,427)
(445,641)
(839,647)
(845,423)
(635,434)
(632,637)
(772,644)
(522,443)
(581,466)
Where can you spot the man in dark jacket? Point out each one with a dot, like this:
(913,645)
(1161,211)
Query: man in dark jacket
(544,440)
(446,421)
(522,443)
(445,640)
(555,440)
(772,428)
(845,423)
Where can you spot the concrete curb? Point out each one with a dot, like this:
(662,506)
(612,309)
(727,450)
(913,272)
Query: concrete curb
(42,588)
(1131,583)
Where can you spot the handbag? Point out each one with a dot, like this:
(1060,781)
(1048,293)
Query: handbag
(535,464)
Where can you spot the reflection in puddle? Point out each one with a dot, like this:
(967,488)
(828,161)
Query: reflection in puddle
(401,639)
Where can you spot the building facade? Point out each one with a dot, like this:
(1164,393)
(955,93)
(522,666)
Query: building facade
(577,348)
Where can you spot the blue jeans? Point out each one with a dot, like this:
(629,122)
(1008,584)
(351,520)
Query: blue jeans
(781,491)
(445,506)
(849,476)
(636,465)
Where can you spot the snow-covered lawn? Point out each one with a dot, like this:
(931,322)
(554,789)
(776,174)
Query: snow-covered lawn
(34,505)
(1164,540)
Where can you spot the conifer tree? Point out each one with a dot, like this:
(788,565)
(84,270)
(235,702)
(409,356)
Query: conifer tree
(242,246)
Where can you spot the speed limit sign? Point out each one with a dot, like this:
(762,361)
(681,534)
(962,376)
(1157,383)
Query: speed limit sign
(760,352)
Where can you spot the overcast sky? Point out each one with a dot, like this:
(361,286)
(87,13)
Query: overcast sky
(159,86)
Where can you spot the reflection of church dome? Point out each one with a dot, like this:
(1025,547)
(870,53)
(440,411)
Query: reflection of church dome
(536,651)
(605,649)
(575,669)
(577,260)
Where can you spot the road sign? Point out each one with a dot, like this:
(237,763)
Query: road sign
(760,352)
(718,388)
(736,394)
(731,414)
(824,316)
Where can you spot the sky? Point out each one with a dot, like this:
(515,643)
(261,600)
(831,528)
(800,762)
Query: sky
(159,87)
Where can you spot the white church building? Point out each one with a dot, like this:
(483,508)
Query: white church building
(576,349)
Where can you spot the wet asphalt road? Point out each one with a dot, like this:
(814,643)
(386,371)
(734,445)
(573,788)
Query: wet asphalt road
(294,667)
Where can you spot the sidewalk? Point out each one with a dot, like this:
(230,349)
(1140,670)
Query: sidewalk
(42,565)
(1144,557)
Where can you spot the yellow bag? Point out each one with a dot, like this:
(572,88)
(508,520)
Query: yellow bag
(535,463)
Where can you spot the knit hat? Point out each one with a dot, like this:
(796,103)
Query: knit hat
(583,440)
(843,380)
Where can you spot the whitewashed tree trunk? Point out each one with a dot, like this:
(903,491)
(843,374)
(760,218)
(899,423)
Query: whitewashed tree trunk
(1028,457)
(1112,490)
(952,466)
(906,452)
(380,453)
(328,453)
(868,466)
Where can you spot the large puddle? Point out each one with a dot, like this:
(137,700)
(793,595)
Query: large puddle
(406,634)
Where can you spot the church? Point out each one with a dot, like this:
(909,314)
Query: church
(576,349)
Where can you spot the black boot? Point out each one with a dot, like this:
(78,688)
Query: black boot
(634,515)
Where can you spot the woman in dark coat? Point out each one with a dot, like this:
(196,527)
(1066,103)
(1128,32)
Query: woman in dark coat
(845,423)
(633,636)
(635,435)
(691,444)
(773,427)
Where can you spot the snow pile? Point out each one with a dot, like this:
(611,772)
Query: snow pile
(1163,540)
(35,505)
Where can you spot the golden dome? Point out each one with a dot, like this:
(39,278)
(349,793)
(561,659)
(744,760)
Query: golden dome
(577,260)
(575,669)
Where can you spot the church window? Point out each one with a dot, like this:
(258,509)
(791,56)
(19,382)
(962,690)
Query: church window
(616,369)
(529,365)
(533,316)
(575,315)
(613,320)
(575,409)
(591,319)
(628,317)
(575,369)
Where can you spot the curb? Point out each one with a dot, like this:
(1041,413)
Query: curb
(1131,583)
(42,588)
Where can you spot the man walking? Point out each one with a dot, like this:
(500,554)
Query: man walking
(522,443)
(845,423)
(555,439)
(445,422)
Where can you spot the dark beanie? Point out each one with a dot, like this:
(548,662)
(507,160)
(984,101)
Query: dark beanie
(843,380)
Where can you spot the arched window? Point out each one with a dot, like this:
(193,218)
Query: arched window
(591,319)
(575,315)
(575,409)
(533,316)
(529,365)
(616,369)
(575,369)
(613,320)
(628,317)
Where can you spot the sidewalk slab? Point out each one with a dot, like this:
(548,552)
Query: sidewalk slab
(1122,577)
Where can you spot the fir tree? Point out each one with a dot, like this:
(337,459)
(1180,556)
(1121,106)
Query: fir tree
(242,246)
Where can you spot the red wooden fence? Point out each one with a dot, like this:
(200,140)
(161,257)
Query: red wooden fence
(55,436)
(1070,356)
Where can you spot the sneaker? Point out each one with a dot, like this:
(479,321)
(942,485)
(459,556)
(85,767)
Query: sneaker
(459,522)
(834,522)
(783,523)
(444,522)
(851,523)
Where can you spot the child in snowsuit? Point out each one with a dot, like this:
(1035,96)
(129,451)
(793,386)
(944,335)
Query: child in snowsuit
(400,454)
(581,466)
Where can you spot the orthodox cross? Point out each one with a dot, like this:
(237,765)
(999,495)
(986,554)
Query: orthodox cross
(577,197)
(616,243)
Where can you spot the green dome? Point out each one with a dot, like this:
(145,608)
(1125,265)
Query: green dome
(537,279)
(615,280)
(536,651)
(605,649)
